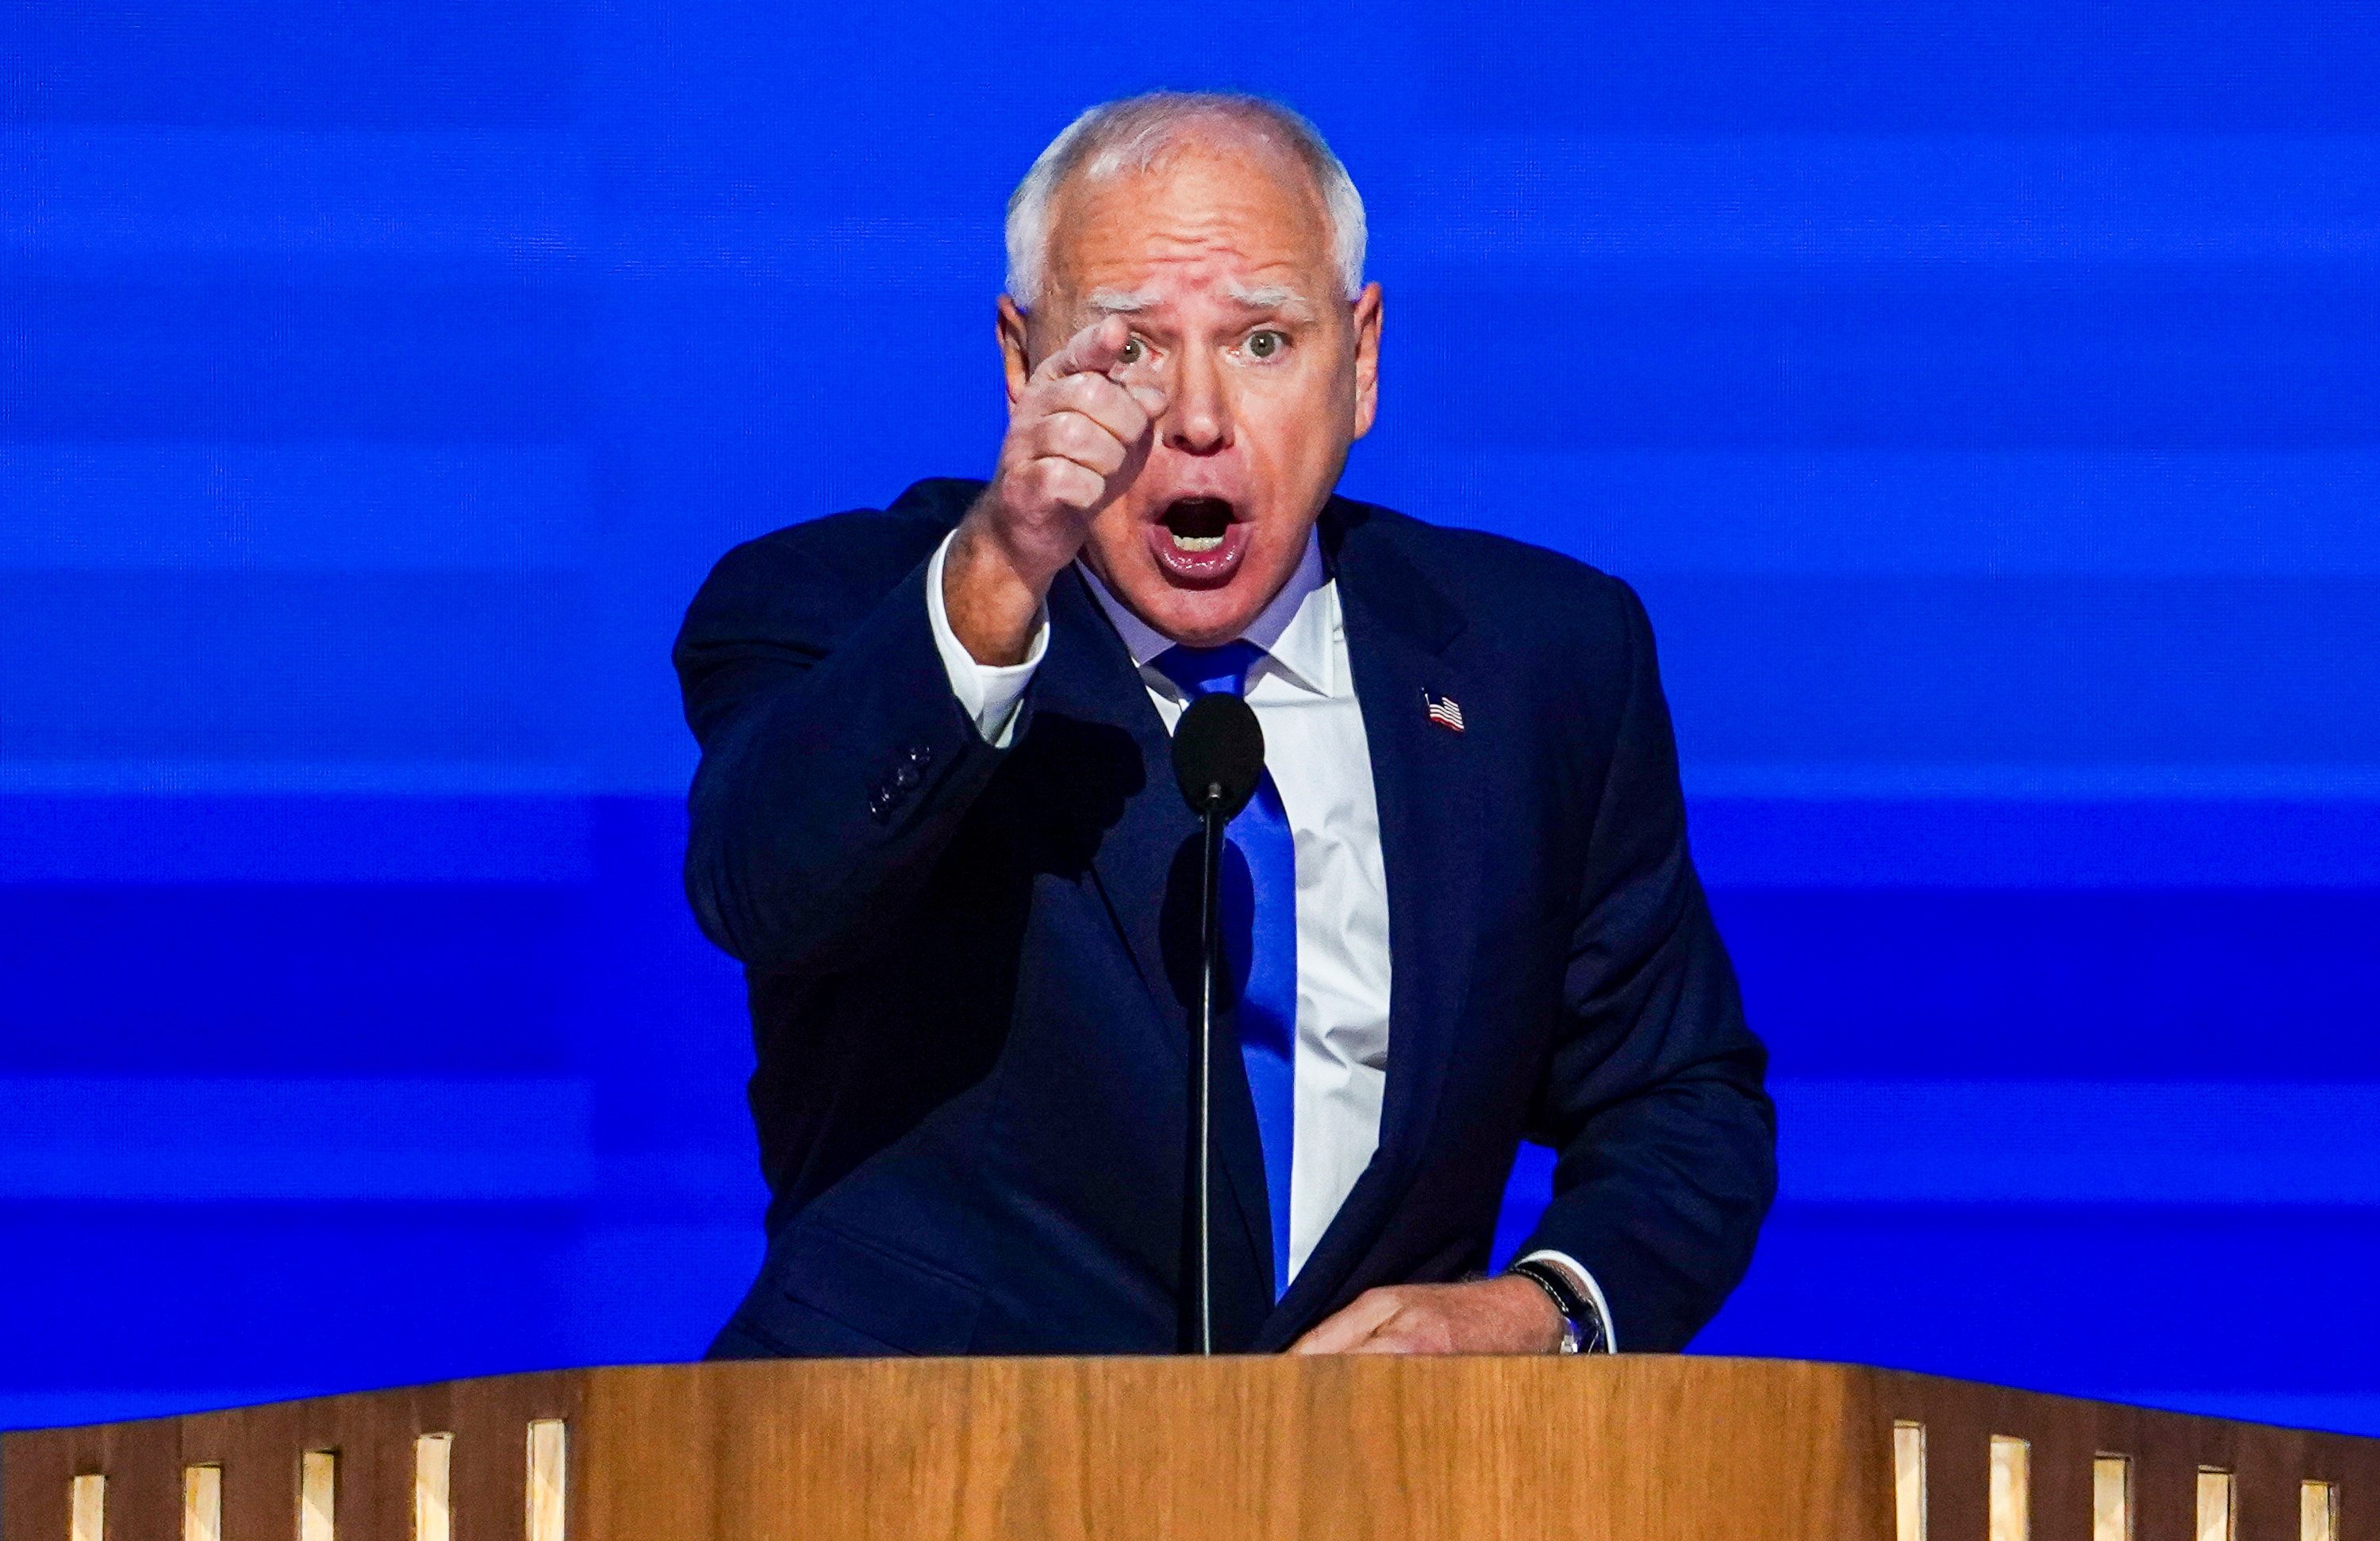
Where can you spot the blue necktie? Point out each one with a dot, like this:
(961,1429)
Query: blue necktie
(1258,911)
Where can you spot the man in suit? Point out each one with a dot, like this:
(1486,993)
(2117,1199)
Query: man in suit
(935,820)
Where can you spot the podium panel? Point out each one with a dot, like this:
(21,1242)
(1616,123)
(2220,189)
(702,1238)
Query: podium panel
(1627,1449)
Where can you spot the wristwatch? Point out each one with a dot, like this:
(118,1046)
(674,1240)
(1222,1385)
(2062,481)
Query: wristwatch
(1582,1323)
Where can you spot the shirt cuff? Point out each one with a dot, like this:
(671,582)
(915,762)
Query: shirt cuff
(991,694)
(1586,1286)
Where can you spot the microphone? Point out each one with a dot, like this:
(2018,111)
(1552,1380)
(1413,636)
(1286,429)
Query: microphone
(1218,759)
(1218,753)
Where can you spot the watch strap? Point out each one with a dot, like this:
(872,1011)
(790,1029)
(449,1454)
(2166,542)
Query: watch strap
(1582,1323)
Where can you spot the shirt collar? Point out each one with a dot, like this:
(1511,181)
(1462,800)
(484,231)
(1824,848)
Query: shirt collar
(1295,629)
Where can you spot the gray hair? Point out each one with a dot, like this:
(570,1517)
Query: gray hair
(1131,135)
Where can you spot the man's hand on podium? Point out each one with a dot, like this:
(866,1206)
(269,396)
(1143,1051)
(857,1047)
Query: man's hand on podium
(1487,1315)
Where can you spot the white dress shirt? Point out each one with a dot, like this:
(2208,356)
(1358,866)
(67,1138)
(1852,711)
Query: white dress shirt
(1302,692)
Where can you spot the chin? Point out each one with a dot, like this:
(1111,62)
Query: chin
(1204,620)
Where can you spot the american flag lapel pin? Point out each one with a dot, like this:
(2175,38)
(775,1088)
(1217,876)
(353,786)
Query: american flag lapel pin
(1444,711)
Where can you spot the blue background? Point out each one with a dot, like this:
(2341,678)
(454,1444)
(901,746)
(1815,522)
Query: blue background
(1985,398)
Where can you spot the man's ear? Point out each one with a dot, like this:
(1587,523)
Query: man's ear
(1015,360)
(1367,357)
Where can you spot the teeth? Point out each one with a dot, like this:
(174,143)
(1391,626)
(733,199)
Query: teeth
(1196,543)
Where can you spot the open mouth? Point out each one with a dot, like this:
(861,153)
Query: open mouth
(1197,524)
(1199,540)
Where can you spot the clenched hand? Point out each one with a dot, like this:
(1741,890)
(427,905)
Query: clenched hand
(1076,438)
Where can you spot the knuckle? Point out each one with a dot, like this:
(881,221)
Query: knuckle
(1101,450)
(1127,422)
(1098,398)
(1049,437)
(1077,486)
(1074,434)
(1125,406)
(1046,478)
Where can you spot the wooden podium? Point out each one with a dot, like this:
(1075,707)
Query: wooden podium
(1228,1449)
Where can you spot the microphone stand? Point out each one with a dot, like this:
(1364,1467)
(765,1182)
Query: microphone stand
(1218,763)
(1202,1076)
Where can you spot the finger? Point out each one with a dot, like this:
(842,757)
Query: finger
(1093,350)
(1072,436)
(1065,483)
(1343,1330)
(1120,411)
(1411,1330)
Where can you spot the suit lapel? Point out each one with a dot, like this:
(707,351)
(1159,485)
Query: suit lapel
(1427,782)
(1088,682)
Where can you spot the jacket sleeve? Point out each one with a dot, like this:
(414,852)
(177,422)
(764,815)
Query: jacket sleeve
(837,763)
(1665,1139)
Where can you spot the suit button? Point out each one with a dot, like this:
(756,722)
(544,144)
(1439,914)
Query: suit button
(880,803)
(906,778)
(921,755)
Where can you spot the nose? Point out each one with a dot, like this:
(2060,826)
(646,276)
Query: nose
(1198,415)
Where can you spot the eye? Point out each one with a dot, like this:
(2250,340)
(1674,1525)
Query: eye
(1133,352)
(1266,344)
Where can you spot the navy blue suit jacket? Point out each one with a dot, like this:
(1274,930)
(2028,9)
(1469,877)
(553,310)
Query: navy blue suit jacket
(968,966)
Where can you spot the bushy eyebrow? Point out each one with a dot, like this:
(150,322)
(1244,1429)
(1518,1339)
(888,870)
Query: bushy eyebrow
(1260,296)
(1270,296)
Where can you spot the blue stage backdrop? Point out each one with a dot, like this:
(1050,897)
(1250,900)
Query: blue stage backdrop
(1985,398)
